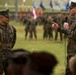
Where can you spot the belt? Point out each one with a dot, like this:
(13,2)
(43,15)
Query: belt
(5,44)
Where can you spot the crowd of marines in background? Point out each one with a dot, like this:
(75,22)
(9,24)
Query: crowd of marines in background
(46,20)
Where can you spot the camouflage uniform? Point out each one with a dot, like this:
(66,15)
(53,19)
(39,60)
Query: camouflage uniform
(59,21)
(40,20)
(48,31)
(27,25)
(7,41)
(66,19)
(71,47)
(32,29)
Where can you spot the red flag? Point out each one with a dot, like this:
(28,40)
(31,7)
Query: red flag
(37,12)
(20,15)
(40,12)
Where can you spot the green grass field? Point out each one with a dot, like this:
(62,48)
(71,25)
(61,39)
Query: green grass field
(57,48)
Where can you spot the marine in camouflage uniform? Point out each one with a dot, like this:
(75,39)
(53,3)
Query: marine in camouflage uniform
(71,48)
(71,34)
(48,31)
(59,21)
(41,19)
(32,28)
(27,24)
(7,39)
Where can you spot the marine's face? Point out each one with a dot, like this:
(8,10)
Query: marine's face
(73,11)
(4,19)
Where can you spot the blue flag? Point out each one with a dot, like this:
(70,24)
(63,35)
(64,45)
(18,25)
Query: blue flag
(51,4)
(67,6)
(16,10)
(41,5)
(15,3)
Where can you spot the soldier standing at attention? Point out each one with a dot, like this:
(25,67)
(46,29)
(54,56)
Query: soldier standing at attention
(48,31)
(7,39)
(59,21)
(71,34)
(32,28)
(27,25)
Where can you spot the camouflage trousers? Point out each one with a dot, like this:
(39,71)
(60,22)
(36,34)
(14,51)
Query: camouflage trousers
(3,61)
(33,33)
(1,67)
(60,34)
(70,53)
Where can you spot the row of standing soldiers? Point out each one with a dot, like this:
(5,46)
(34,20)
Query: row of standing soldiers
(46,21)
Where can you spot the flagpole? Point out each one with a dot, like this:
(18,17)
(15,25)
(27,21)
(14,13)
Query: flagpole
(16,10)
(59,4)
(6,4)
(7,1)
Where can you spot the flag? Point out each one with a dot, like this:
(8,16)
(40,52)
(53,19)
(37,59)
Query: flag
(51,4)
(40,12)
(16,10)
(67,6)
(23,2)
(37,12)
(41,5)
(20,14)
(59,3)
(6,4)
(34,13)
(34,3)
(15,3)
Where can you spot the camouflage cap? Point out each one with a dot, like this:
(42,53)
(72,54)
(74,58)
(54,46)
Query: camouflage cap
(5,13)
(43,62)
(19,56)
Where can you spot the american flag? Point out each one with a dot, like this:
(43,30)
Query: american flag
(34,12)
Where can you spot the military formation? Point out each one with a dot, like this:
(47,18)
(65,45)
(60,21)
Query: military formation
(46,20)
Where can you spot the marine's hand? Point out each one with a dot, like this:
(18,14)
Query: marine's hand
(55,26)
(66,26)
